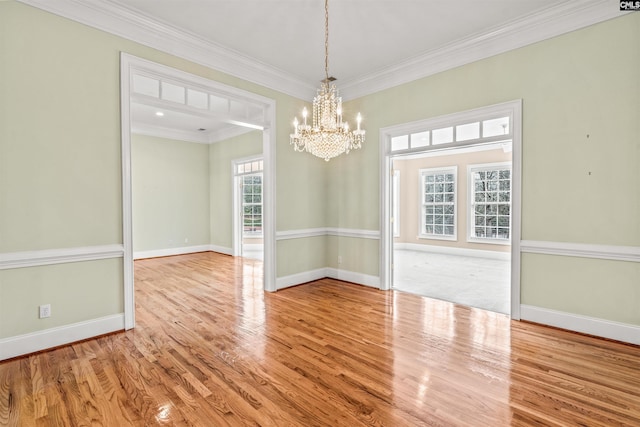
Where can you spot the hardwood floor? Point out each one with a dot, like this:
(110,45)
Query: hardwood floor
(212,349)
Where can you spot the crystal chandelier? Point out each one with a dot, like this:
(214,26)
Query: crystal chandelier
(328,136)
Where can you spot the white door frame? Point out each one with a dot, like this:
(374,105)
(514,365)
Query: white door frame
(238,214)
(130,64)
(512,108)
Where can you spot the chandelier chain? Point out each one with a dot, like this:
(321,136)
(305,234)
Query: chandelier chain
(326,39)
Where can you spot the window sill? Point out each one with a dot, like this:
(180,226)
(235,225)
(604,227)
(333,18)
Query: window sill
(434,237)
(489,241)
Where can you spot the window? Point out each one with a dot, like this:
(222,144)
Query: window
(438,193)
(490,209)
(481,129)
(400,142)
(191,97)
(250,174)
(252,205)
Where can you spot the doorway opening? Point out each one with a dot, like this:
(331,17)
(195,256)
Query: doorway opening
(248,203)
(451,208)
(148,87)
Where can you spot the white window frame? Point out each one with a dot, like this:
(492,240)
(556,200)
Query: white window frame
(245,233)
(251,167)
(471,169)
(422,173)
(404,137)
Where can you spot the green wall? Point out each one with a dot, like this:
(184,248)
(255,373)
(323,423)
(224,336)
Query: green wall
(60,163)
(580,152)
(77,292)
(60,133)
(170,193)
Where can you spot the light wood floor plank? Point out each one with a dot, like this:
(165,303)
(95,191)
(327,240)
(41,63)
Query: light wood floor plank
(212,349)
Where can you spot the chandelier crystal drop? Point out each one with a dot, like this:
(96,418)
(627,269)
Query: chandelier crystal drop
(328,136)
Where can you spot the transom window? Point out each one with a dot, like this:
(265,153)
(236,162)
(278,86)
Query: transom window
(151,87)
(490,202)
(438,191)
(468,132)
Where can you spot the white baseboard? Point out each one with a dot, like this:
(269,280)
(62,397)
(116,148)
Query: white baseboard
(332,273)
(587,325)
(54,337)
(180,251)
(353,277)
(220,249)
(476,253)
(300,278)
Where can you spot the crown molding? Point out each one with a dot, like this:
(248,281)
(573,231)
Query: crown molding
(168,133)
(187,136)
(551,22)
(227,133)
(116,19)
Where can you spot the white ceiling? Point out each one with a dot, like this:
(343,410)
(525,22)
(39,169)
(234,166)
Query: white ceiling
(368,39)
(373,44)
(364,35)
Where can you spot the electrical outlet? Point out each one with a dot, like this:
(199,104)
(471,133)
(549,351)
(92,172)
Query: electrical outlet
(45,311)
(339,259)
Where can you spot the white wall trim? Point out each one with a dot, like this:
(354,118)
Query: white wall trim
(582,250)
(189,136)
(132,25)
(327,231)
(155,253)
(587,325)
(300,278)
(42,340)
(301,233)
(332,273)
(167,133)
(475,253)
(124,22)
(354,232)
(549,23)
(221,249)
(25,259)
(354,277)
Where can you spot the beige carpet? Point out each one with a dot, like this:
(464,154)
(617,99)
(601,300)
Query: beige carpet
(475,282)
